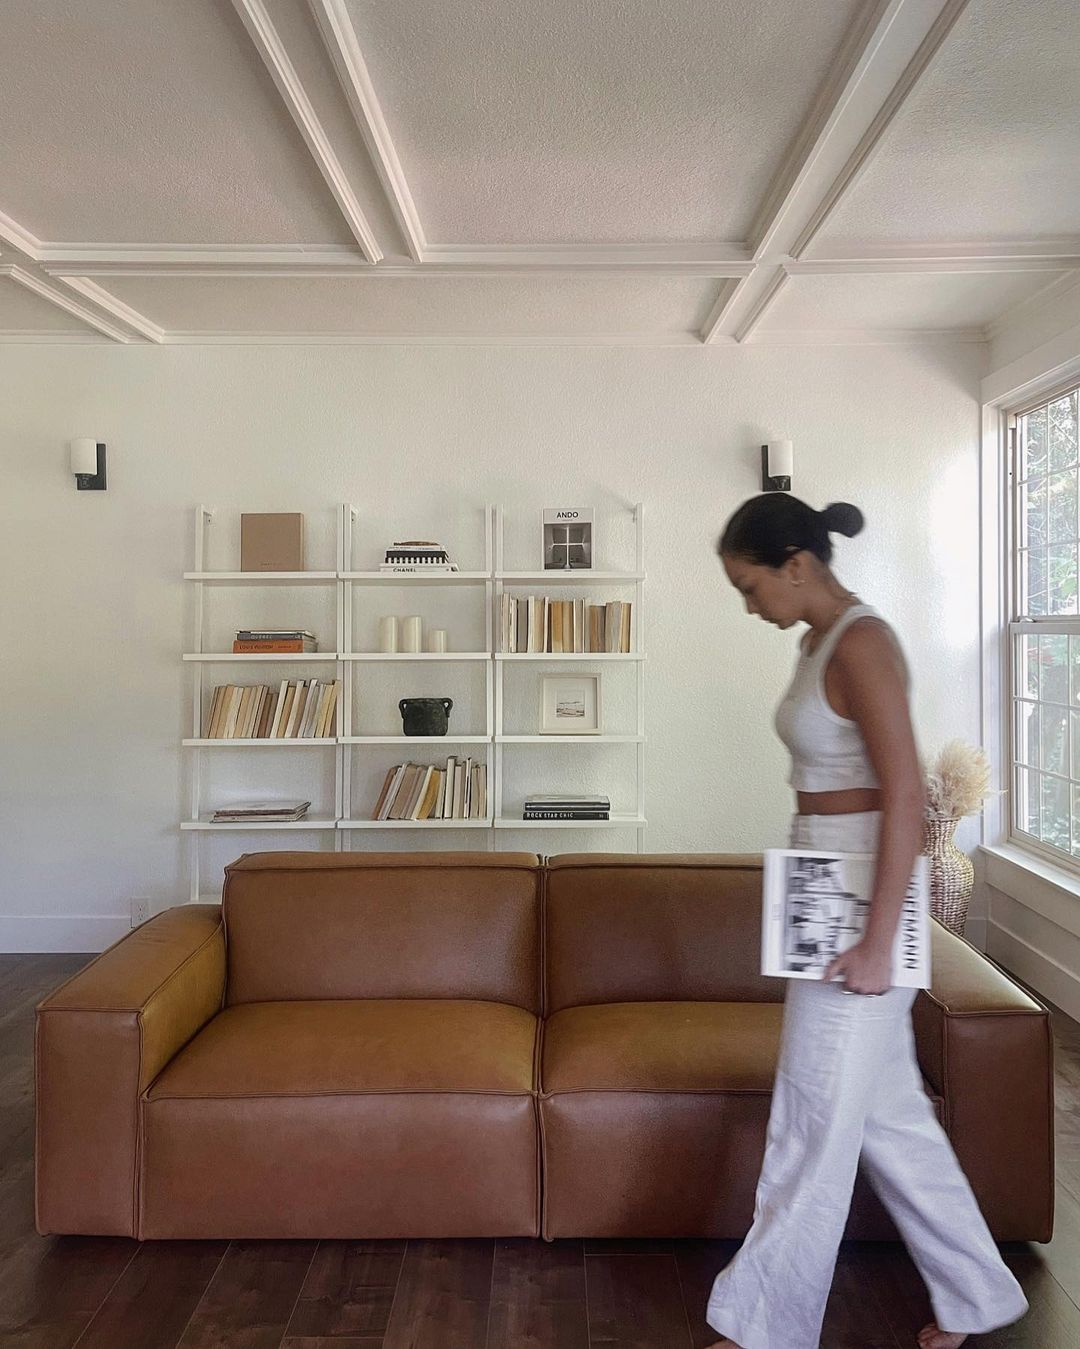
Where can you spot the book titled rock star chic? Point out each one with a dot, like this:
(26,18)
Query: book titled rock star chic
(815,905)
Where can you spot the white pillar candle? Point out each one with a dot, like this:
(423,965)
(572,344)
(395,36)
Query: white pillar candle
(437,639)
(388,634)
(410,633)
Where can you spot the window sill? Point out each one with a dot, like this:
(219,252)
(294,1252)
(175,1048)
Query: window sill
(1048,890)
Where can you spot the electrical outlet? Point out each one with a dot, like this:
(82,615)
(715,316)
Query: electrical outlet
(140,910)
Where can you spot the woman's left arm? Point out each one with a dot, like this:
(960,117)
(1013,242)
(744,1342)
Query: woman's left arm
(873,677)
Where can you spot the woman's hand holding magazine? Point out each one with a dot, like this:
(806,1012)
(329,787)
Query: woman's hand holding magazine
(865,968)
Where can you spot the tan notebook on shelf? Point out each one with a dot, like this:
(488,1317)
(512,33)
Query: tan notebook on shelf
(272,542)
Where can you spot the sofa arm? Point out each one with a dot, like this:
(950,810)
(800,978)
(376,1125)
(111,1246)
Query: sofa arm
(987,1049)
(99,1041)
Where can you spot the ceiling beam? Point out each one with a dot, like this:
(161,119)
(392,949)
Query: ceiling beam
(877,68)
(1064,249)
(343,46)
(112,305)
(16,237)
(270,47)
(711,260)
(21,264)
(56,296)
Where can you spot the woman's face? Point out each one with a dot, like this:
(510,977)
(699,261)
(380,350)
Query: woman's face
(767,591)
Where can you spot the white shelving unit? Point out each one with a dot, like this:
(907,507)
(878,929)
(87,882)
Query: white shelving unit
(594,579)
(353,660)
(351,741)
(199,821)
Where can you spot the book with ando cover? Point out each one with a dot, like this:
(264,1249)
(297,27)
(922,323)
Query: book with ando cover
(815,904)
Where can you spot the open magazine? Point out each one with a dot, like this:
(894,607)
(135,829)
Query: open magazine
(815,905)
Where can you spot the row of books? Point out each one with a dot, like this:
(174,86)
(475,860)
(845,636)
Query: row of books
(538,623)
(563,807)
(300,710)
(279,641)
(261,812)
(424,792)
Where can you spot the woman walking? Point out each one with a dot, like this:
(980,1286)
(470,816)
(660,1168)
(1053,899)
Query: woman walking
(848,1087)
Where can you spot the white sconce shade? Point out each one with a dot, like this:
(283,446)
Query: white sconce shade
(777,466)
(84,455)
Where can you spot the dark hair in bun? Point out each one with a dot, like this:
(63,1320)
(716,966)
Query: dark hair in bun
(769,528)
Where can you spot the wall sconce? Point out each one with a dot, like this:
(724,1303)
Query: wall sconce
(88,464)
(777,462)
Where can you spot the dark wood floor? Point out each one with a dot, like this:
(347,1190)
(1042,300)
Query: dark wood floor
(111,1293)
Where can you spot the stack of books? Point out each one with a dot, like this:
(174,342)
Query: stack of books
(567,808)
(304,710)
(538,623)
(424,792)
(261,812)
(415,555)
(274,641)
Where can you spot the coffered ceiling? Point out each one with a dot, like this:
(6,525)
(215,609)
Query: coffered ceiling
(617,171)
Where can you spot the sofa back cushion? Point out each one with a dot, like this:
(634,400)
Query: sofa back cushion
(383,925)
(662,927)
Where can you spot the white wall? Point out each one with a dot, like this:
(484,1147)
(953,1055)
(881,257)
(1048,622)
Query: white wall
(94,696)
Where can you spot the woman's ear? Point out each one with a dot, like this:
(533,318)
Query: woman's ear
(796,569)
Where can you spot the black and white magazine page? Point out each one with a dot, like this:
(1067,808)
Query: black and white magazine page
(815,905)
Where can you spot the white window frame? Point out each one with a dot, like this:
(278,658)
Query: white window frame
(1013,390)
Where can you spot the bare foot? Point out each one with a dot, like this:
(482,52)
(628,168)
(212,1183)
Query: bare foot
(932,1337)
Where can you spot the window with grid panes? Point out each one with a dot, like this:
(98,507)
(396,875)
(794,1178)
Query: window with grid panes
(1044,635)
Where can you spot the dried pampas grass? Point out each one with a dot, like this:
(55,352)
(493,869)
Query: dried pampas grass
(957,782)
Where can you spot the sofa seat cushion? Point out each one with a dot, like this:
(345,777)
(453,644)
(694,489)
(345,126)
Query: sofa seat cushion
(654,1117)
(382,1118)
(377,1045)
(662,1046)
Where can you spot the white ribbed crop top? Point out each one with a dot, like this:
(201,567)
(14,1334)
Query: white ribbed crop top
(828,752)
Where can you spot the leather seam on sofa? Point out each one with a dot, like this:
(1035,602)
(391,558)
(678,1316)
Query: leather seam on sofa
(307,1095)
(371,868)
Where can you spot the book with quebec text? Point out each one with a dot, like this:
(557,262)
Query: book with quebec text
(814,906)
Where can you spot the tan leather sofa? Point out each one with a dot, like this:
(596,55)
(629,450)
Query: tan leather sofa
(478,1044)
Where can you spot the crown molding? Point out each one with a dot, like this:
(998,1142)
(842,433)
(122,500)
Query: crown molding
(117,308)
(276,59)
(878,67)
(343,46)
(20,336)
(1031,304)
(55,296)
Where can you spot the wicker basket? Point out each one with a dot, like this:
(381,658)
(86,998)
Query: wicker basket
(952,875)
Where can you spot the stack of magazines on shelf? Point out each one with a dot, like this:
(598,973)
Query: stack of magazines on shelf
(567,808)
(417,555)
(261,812)
(424,792)
(274,641)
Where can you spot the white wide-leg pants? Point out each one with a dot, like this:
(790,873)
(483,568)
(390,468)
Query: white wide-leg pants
(848,1088)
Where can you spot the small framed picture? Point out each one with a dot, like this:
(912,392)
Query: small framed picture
(570,705)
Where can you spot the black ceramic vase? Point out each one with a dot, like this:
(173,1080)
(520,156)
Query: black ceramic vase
(425,716)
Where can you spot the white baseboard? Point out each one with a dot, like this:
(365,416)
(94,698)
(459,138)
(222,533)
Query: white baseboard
(26,934)
(1040,971)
